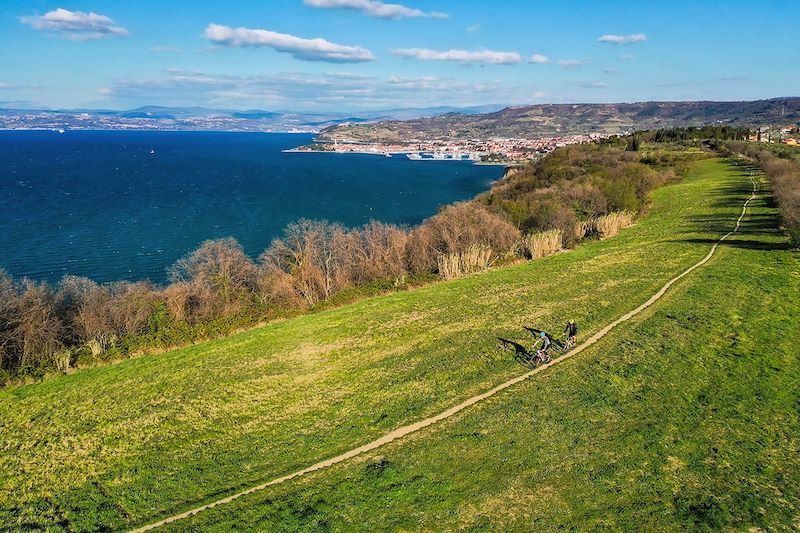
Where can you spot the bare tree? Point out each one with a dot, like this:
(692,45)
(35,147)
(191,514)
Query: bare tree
(292,260)
(277,287)
(314,254)
(131,306)
(38,332)
(180,301)
(9,321)
(220,275)
(454,230)
(71,298)
(378,252)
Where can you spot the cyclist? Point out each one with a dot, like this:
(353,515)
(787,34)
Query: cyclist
(542,353)
(571,332)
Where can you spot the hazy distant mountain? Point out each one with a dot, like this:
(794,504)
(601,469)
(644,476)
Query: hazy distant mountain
(534,121)
(549,120)
(416,112)
(26,115)
(21,105)
(255,114)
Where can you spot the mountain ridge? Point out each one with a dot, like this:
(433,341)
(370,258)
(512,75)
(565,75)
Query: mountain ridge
(150,117)
(552,120)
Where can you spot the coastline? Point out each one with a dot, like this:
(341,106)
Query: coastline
(298,150)
(393,191)
(362,152)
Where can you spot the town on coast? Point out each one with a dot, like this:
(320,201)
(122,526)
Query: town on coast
(488,151)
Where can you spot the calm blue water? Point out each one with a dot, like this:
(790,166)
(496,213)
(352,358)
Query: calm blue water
(101,205)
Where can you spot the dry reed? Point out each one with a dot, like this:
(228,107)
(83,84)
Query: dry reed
(544,243)
(610,224)
(476,258)
(584,228)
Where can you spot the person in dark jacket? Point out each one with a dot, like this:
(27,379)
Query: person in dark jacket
(571,332)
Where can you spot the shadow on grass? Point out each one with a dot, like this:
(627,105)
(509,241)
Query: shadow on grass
(731,195)
(755,224)
(759,231)
(742,243)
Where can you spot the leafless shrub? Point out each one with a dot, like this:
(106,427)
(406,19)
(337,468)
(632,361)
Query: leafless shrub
(38,331)
(221,277)
(276,287)
(93,314)
(454,230)
(586,198)
(132,306)
(314,256)
(107,312)
(72,294)
(180,301)
(9,320)
(787,193)
(378,252)
(784,176)
(563,219)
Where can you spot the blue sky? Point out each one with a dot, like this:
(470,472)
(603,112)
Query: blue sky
(342,55)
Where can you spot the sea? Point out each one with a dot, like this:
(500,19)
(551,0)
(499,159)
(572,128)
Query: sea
(125,205)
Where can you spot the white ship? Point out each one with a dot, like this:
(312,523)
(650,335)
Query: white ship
(441,155)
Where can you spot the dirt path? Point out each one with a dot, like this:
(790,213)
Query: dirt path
(412,428)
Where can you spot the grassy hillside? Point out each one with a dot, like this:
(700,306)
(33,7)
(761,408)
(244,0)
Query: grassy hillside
(688,415)
(685,420)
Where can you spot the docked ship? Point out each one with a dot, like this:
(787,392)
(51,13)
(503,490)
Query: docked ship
(444,156)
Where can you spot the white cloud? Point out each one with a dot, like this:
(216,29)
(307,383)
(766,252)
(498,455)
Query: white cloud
(184,86)
(306,49)
(349,76)
(301,91)
(74,25)
(165,50)
(538,58)
(375,8)
(6,86)
(473,28)
(401,80)
(622,39)
(593,85)
(464,56)
(433,84)
(570,63)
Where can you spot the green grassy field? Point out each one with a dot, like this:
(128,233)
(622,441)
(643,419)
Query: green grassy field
(686,416)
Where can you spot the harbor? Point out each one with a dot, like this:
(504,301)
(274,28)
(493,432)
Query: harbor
(479,151)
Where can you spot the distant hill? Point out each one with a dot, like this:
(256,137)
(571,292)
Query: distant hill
(256,114)
(28,115)
(548,120)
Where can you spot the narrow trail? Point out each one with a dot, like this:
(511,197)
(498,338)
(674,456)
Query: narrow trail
(412,428)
